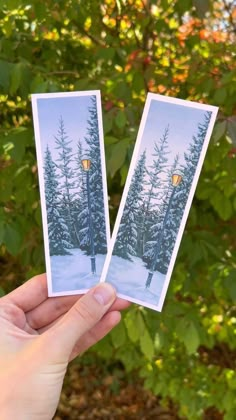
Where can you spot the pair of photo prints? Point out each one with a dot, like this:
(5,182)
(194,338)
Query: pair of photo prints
(168,155)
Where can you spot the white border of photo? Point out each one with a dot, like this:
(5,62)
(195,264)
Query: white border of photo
(156,97)
(34,99)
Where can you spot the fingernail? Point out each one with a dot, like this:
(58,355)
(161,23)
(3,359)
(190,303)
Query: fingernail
(104,293)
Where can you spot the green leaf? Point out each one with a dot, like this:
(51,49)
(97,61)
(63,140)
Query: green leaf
(120,119)
(191,338)
(220,96)
(123,173)
(230,284)
(38,85)
(12,239)
(106,53)
(16,77)
(19,138)
(188,334)
(5,70)
(131,326)
(147,345)
(222,205)
(107,123)
(138,82)
(118,335)
(2,292)
(219,130)
(2,231)
(110,140)
(12,4)
(117,157)
(231,128)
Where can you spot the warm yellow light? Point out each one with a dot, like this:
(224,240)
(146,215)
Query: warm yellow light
(86,163)
(176,179)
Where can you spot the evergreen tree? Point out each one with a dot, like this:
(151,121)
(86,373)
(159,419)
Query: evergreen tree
(156,175)
(96,186)
(193,154)
(80,211)
(188,169)
(126,242)
(80,182)
(168,235)
(66,174)
(59,237)
(178,203)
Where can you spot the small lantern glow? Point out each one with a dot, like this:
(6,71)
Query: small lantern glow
(176,179)
(86,163)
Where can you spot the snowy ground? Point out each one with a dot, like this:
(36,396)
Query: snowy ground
(129,278)
(73,272)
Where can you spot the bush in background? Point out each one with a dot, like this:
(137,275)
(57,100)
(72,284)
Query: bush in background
(183,48)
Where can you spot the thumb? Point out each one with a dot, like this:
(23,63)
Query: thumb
(84,315)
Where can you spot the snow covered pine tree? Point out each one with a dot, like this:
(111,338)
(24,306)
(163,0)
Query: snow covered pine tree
(59,237)
(96,186)
(80,206)
(153,214)
(126,242)
(67,175)
(156,174)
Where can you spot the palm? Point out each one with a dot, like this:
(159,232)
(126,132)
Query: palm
(30,324)
(27,312)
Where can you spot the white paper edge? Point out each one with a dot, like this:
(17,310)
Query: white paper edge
(34,98)
(161,98)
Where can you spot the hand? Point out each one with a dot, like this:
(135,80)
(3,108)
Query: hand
(39,336)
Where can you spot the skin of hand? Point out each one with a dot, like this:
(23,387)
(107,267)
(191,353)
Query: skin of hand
(38,338)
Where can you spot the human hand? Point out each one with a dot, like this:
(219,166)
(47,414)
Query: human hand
(39,336)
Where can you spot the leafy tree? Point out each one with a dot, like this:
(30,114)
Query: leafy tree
(127,237)
(186,353)
(59,237)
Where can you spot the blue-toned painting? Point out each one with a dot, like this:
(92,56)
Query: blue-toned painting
(71,161)
(166,163)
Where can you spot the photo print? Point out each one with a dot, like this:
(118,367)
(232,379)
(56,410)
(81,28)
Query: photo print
(73,190)
(165,167)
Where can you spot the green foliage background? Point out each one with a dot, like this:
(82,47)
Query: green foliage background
(183,48)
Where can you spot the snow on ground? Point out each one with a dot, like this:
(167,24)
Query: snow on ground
(129,278)
(73,272)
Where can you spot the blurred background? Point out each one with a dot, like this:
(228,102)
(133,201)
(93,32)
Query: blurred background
(178,364)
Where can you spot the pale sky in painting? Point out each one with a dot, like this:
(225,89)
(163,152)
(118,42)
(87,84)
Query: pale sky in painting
(183,124)
(73,110)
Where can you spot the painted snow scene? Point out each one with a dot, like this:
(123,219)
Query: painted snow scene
(71,160)
(167,159)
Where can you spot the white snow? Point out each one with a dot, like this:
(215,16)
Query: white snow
(73,272)
(129,279)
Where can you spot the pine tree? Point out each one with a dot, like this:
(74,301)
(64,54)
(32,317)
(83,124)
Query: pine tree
(66,174)
(172,223)
(194,151)
(79,209)
(188,169)
(80,183)
(127,237)
(96,186)
(59,237)
(156,175)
